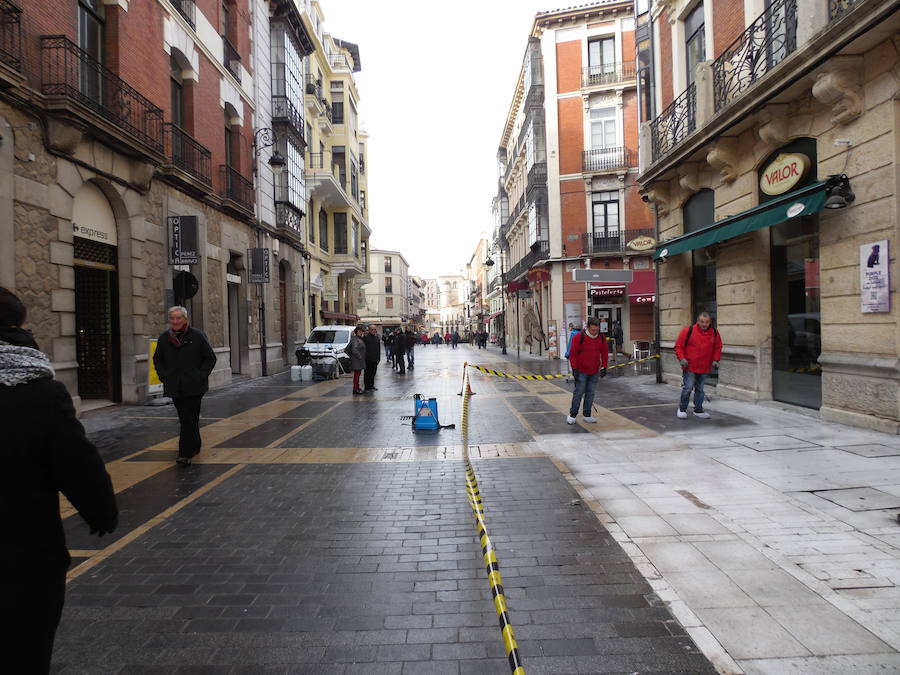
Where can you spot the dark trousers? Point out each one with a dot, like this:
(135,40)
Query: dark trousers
(369,374)
(400,363)
(31,610)
(188,408)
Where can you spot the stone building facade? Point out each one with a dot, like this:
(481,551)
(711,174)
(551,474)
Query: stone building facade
(752,145)
(107,147)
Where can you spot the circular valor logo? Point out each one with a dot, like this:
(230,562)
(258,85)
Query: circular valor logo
(642,243)
(795,210)
(664,253)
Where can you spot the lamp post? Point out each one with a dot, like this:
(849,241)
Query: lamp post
(490,263)
(264,138)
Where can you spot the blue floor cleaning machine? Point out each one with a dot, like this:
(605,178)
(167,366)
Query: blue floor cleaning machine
(425,417)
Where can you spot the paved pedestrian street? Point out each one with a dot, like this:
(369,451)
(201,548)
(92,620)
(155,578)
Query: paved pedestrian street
(316,533)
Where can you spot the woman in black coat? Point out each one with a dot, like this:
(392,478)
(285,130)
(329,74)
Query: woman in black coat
(44,452)
(183,360)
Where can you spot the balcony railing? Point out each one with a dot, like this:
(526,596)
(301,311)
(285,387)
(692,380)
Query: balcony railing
(10,34)
(187,154)
(316,160)
(236,188)
(765,44)
(313,86)
(537,175)
(67,70)
(339,61)
(837,8)
(232,58)
(285,112)
(188,10)
(608,73)
(616,242)
(289,218)
(675,123)
(540,250)
(600,160)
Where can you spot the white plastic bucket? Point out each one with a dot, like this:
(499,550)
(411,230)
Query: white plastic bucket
(306,373)
(296,373)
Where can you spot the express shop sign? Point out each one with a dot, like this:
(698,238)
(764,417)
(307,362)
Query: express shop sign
(784,173)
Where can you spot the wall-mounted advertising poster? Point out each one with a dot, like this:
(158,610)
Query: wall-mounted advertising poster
(874,277)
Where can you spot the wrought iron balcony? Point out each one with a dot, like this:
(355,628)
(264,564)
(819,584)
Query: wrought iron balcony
(289,218)
(69,71)
(10,34)
(187,154)
(593,242)
(313,86)
(675,123)
(765,44)
(608,73)
(537,175)
(316,160)
(232,60)
(540,251)
(837,8)
(601,160)
(285,112)
(188,10)
(236,188)
(339,61)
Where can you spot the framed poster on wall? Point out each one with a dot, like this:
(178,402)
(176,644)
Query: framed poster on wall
(874,277)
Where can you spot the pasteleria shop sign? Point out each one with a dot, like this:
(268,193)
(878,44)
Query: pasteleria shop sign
(783,173)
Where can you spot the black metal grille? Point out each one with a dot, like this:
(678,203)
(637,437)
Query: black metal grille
(236,188)
(595,242)
(540,250)
(285,113)
(232,58)
(608,73)
(599,160)
(67,70)
(94,320)
(316,160)
(765,44)
(675,123)
(537,175)
(837,8)
(313,86)
(187,154)
(188,10)
(289,218)
(10,34)
(339,61)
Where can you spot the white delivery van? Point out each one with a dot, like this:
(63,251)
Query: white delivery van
(329,341)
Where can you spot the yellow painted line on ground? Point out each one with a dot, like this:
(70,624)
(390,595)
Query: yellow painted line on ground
(80,553)
(119,544)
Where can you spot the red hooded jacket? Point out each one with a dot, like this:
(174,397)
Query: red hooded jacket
(704,347)
(588,353)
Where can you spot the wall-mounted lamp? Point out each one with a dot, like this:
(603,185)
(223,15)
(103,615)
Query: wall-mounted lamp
(266,138)
(839,194)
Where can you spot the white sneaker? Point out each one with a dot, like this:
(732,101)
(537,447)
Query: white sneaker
(570,419)
(591,420)
(681,414)
(702,415)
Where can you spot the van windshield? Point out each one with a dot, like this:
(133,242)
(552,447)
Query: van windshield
(328,337)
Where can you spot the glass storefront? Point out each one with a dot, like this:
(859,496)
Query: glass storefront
(796,317)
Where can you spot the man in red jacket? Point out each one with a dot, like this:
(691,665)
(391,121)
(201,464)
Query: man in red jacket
(698,350)
(588,357)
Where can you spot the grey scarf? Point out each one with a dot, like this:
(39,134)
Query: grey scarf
(22,364)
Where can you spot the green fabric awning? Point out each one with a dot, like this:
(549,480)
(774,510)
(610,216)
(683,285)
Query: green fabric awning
(803,202)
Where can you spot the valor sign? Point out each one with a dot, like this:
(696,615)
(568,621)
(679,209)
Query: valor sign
(784,173)
(642,243)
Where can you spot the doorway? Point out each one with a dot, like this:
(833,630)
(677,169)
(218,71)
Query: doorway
(607,314)
(234,326)
(283,310)
(96,320)
(796,316)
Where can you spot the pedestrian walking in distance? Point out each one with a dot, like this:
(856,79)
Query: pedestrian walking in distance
(400,352)
(454,339)
(410,338)
(373,356)
(357,351)
(698,350)
(447,338)
(387,339)
(183,360)
(588,357)
(44,452)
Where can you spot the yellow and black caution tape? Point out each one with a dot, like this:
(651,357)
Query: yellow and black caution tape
(554,376)
(489,554)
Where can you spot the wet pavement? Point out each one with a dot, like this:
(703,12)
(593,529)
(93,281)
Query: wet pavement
(316,533)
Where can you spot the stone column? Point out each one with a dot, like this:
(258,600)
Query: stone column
(812,17)
(703,80)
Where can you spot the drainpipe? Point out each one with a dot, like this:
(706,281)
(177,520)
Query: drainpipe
(657,313)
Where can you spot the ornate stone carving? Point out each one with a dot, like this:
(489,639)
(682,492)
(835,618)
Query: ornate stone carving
(63,137)
(690,177)
(774,123)
(659,195)
(723,157)
(837,85)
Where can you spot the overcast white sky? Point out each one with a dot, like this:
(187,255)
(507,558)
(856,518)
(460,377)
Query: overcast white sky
(435,86)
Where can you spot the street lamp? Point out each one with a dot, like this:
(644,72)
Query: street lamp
(266,138)
(490,263)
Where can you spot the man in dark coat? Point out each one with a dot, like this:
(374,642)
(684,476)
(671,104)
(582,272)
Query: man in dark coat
(399,347)
(373,356)
(44,452)
(183,360)
(410,338)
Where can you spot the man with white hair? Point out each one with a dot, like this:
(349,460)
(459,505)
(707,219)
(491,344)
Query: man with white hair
(183,360)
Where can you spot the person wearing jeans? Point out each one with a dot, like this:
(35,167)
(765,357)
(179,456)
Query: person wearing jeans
(698,350)
(588,356)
